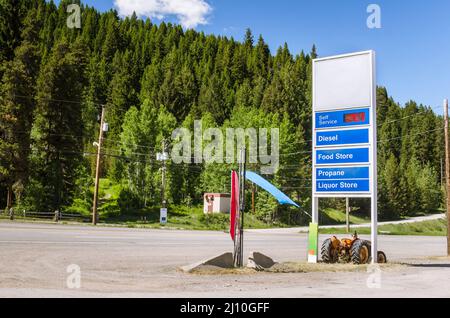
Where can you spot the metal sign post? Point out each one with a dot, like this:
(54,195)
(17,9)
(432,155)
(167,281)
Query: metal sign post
(239,241)
(344,133)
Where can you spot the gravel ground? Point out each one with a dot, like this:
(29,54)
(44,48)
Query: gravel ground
(117,262)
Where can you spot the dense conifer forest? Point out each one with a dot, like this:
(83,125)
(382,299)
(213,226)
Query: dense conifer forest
(154,78)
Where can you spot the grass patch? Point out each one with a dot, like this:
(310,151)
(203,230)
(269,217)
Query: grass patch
(334,217)
(302,267)
(109,190)
(425,228)
(182,217)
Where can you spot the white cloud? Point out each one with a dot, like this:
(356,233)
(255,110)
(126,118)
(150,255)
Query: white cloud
(190,13)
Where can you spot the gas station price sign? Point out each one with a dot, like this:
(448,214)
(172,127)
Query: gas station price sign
(342,119)
(357,118)
(344,125)
(344,131)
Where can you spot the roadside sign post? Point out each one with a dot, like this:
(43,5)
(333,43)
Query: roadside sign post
(163,216)
(345,133)
(447,171)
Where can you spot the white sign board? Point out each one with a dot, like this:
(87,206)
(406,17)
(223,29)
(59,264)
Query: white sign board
(344,131)
(347,81)
(163,216)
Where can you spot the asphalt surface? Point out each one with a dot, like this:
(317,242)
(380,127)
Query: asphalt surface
(119,262)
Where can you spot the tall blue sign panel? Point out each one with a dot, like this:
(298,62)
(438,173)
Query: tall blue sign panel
(342,141)
(345,133)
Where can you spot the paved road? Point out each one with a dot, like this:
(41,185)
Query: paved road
(144,263)
(305,229)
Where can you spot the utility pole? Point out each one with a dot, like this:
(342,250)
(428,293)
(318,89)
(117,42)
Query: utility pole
(97,169)
(163,177)
(347,214)
(9,197)
(164,156)
(447,171)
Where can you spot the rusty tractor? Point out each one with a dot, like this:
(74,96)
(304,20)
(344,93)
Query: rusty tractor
(354,250)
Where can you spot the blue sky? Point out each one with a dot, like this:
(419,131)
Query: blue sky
(413,45)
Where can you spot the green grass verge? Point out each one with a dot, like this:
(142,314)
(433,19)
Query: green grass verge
(425,228)
(334,217)
(181,217)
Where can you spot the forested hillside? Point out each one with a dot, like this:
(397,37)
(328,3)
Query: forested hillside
(153,79)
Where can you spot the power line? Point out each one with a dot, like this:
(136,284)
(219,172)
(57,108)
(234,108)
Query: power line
(295,188)
(54,100)
(411,135)
(53,134)
(409,116)
(433,109)
(295,179)
(225,158)
(130,144)
(103,154)
(131,153)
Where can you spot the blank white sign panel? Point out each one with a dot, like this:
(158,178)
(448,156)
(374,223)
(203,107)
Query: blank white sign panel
(343,82)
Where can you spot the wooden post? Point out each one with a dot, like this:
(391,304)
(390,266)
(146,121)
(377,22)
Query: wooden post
(447,171)
(9,198)
(347,214)
(97,169)
(253,199)
(163,175)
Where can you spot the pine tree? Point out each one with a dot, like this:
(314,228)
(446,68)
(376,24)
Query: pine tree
(262,58)
(212,99)
(12,13)
(17,91)
(121,95)
(383,103)
(58,128)
(15,124)
(395,206)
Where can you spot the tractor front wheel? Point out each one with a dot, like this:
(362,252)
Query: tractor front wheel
(360,252)
(328,252)
(382,259)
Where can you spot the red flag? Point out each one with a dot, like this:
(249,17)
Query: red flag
(234,203)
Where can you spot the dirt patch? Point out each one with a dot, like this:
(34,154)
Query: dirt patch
(294,267)
(215,270)
(439,258)
(303,267)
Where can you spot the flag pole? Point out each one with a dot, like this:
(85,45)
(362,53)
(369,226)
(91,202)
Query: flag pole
(242,205)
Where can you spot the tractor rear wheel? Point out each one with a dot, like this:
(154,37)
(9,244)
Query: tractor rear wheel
(328,253)
(360,252)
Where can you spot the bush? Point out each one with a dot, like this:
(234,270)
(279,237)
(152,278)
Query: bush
(110,209)
(80,206)
(34,197)
(128,202)
(215,221)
